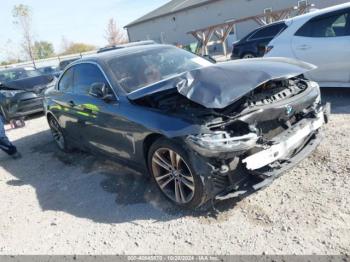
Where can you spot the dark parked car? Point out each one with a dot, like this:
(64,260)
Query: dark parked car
(203,131)
(50,70)
(64,63)
(21,92)
(255,43)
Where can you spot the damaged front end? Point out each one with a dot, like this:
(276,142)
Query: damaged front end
(23,97)
(258,118)
(277,125)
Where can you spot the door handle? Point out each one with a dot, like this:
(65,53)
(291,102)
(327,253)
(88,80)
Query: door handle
(71,103)
(303,47)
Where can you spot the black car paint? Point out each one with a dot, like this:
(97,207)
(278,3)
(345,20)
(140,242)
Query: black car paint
(126,125)
(115,47)
(255,47)
(124,129)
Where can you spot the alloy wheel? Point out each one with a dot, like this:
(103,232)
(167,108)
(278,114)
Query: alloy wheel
(57,133)
(173,175)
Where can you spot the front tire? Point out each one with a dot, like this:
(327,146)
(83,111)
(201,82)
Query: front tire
(172,172)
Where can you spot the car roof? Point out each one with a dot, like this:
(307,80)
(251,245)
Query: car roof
(69,59)
(126,45)
(320,12)
(105,56)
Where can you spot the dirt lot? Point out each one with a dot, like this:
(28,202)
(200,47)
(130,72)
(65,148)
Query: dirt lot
(54,203)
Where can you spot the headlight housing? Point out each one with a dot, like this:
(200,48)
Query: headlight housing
(221,142)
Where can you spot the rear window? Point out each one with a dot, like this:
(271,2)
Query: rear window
(269,31)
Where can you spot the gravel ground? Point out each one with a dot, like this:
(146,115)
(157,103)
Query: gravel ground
(54,203)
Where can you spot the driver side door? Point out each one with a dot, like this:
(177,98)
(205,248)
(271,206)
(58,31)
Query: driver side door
(101,124)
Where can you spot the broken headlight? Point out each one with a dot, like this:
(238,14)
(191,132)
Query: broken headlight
(222,141)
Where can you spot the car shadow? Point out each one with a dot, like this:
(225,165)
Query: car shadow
(92,187)
(339,99)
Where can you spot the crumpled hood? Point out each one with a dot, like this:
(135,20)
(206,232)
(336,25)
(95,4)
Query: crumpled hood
(34,84)
(221,85)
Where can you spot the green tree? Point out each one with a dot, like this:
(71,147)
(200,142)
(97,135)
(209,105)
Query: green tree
(10,62)
(75,48)
(43,49)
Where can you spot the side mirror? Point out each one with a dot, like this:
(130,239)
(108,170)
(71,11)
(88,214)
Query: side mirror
(209,58)
(100,90)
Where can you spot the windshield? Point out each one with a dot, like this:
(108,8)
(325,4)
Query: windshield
(147,67)
(17,74)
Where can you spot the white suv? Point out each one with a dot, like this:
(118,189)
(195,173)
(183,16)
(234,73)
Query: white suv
(322,38)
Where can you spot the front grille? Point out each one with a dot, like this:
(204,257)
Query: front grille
(272,96)
(272,128)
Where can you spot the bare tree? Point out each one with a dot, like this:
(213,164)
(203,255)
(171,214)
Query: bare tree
(65,43)
(23,18)
(11,53)
(114,35)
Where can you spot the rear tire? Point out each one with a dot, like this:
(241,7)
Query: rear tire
(248,56)
(172,172)
(58,135)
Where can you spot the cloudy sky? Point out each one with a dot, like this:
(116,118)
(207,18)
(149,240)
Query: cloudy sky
(76,20)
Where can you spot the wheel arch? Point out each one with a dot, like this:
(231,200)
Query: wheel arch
(147,143)
(247,53)
(49,115)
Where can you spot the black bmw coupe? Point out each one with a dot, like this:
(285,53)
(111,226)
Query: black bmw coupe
(202,131)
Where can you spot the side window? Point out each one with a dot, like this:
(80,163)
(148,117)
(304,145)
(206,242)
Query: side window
(84,76)
(268,32)
(66,82)
(332,25)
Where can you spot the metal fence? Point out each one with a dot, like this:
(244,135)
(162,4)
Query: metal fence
(52,61)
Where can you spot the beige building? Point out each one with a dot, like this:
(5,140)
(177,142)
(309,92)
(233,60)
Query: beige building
(171,22)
